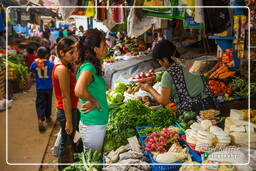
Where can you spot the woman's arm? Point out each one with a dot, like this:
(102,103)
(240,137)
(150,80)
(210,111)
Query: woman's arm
(82,92)
(63,76)
(163,98)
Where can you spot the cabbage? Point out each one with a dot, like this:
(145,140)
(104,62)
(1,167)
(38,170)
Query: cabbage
(120,87)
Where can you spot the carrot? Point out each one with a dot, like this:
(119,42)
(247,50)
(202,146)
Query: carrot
(226,75)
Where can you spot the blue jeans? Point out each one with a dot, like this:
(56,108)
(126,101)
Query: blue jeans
(66,149)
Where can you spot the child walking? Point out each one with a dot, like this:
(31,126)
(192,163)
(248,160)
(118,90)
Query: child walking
(42,69)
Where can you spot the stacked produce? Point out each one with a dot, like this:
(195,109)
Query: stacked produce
(145,77)
(219,87)
(147,101)
(116,95)
(130,157)
(125,117)
(165,147)
(186,119)
(204,136)
(240,87)
(87,158)
(147,131)
(222,73)
(109,60)
(171,105)
(239,128)
(21,70)
(208,115)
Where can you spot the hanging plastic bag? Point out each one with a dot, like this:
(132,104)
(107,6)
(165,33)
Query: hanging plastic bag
(90,10)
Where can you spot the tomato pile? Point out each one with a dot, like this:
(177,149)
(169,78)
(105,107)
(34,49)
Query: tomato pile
(219,87)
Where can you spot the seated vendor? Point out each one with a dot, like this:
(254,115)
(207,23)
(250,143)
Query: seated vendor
(187,90)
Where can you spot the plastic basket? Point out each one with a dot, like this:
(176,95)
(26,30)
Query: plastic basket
(173,166)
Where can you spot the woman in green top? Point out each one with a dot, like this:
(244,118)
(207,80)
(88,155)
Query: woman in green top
(188,91)
(91,89)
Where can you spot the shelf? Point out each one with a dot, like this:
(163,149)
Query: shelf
(221,38)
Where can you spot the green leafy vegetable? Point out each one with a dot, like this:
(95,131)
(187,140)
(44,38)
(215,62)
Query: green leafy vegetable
(126,116)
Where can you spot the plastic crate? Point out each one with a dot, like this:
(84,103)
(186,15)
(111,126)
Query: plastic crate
(173,166)
(163,166)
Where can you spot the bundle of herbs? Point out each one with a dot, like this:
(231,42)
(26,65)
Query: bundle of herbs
(126,116)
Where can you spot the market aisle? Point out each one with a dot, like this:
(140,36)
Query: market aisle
(25,143)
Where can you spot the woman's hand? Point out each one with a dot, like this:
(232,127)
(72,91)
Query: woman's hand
(69,127)
(145,86)
(90,105)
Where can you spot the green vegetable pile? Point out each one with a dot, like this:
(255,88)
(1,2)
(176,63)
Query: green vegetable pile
(126,116)
(21,70)
(85,158)
(240,87)
(186,119)
(117,94)
(148,131)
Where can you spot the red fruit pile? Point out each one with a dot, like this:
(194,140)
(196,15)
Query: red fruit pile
(161,141)
(150,73)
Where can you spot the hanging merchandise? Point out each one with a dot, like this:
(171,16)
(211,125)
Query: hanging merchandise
(101,12)
(239,28)
(168,13)
(190,23)
(136,26)
(66,12)
(109,23)
(90,10)
(199,12)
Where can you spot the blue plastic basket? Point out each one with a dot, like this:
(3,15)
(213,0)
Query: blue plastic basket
(173,166)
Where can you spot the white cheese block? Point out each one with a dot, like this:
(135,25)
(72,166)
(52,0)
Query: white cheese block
(242,138)
(196,126)
(215,129)
(220,133)
(251,129)
(236,128)
(206,124)
(205,134)
(236,114)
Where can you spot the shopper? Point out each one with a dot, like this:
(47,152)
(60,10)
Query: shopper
(42,69)
(80,32)
(91,89)
(30,56)
(188,91)
(64,83)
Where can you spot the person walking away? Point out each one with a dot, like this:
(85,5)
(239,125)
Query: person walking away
(91,90)
(42,69)
(64,83)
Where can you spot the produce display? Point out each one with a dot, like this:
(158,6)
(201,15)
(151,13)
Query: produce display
(161,141)
(126,156)
(238,127)
(21,70)
(240,87)
(145,77)
(204,136)
(222,72)
(186,119)
(116,95)
(171,105)
(219,87)
(125,117)
(87,158)
(147,101)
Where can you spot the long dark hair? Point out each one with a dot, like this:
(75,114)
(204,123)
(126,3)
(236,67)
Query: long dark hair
(165,48)
(65,45)
(91,39)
